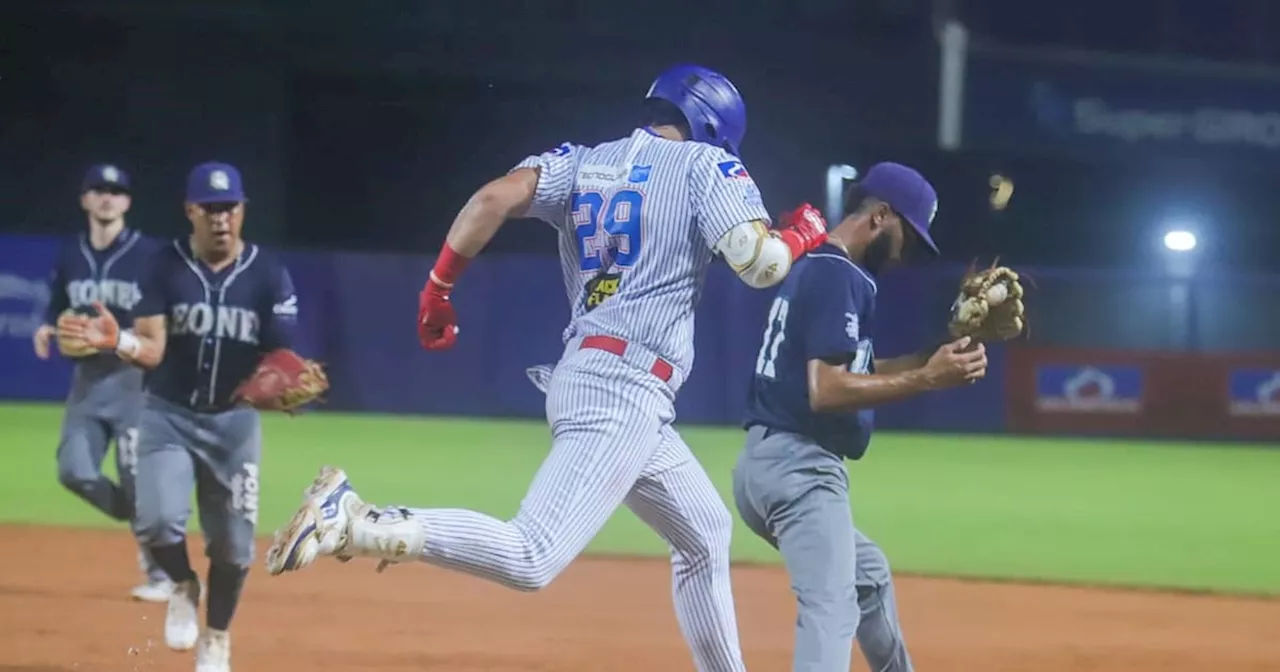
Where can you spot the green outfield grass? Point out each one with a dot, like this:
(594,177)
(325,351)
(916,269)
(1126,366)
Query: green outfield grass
(1128,513)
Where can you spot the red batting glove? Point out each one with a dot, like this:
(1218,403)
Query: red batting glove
(803,230)
(437,322)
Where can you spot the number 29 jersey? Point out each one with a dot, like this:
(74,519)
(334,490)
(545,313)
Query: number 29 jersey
(823,310)
(638,220)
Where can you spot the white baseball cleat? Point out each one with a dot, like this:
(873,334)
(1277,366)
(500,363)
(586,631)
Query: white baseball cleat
(152,591)
(214,652)
(334,521)
(182,622)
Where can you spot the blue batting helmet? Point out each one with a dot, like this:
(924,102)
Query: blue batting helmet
(709,101)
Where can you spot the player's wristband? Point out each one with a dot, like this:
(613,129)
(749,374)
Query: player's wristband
(449,266)
(128,345)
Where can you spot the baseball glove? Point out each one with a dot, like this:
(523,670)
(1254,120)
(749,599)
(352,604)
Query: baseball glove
(989,307)
(283,381)
(68,345)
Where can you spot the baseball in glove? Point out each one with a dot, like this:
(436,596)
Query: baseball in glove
(989,307)
(283,381)
(69,345)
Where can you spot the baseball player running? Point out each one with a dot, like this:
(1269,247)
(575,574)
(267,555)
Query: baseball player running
(816,381)
(105,264)
(212,304)
(639,220)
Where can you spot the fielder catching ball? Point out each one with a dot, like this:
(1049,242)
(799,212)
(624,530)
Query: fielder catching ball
(816,382)
(214,331)
(639,220)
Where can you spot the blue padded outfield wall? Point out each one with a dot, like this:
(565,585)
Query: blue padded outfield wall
(358,312)
(1124,358)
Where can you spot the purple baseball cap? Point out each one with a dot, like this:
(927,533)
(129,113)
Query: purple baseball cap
(105,176)
(215,182)
(908,193)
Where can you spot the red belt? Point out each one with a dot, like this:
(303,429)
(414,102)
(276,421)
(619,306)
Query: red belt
(661,367)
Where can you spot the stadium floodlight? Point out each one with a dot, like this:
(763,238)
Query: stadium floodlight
(1180,240)
(1181,259)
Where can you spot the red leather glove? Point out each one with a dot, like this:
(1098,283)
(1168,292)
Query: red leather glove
(437,323)
(803,230)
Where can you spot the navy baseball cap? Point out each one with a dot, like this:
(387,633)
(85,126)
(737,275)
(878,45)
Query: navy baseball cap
(105,176)
(908,193)
(215,182)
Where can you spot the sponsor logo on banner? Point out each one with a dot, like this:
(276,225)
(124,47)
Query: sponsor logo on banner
(22,304)
(1089,389)
(1057,109)
(1087,105)
(1254,392)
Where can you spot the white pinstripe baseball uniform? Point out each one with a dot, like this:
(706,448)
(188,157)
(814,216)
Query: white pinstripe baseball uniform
(638,219)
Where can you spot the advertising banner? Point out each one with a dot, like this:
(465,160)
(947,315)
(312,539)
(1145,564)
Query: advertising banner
(1123,393)
(1254,393)
(1249,398)
(1089,389)
(1083,104)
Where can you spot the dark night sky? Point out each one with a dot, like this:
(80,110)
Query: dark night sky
(369,129)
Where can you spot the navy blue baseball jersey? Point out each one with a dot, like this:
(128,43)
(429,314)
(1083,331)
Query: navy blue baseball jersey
(823,310)
(113,276)
(219,323)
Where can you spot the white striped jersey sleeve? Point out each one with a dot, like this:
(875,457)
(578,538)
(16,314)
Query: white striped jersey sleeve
(724,194)
(556,171)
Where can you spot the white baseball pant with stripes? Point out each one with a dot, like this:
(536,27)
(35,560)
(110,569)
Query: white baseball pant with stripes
(613,444)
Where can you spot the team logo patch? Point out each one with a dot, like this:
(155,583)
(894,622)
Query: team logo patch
(639,174)
(1254,392)
(601,288)
(287,307)
(563,149)
(1089,389)
(733,170)
(851,326)
(111,174)
(219,180)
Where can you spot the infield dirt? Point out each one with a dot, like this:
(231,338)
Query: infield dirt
(64,606)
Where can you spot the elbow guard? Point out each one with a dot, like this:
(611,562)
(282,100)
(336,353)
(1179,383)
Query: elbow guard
(756,254)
